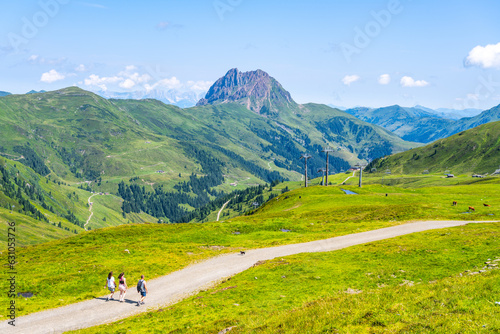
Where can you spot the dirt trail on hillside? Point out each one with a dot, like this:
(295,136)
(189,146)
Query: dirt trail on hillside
(90,210)
(353,173)
(220,211)
(178,285)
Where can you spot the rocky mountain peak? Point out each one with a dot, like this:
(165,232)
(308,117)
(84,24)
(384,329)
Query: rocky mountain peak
(256,90)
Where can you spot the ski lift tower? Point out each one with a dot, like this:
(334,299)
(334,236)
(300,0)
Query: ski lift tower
(322,170)
(360,173)
(305,156)
(327,150)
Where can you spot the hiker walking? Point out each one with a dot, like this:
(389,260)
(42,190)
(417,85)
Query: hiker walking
(122,286)
(142,289)
(110,283)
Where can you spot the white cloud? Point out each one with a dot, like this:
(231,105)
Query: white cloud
(165,83)
(138,78)
(384,79)
(484,56)
(130,68)
(410,82)
(81,68)
(95,80)
(52,76)
(202,86)
(349,79)
(131,78)
(127,84)
(37,60)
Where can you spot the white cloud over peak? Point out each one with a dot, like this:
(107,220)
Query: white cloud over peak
(168,83)
(407,81)
(125,79)
(384,79)
(132,78)
(52,76)
(95,80)
(484,56)
(139,78)
(349,79)
(127,84)
(201,86)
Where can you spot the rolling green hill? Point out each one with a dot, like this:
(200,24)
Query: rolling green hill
(473,151)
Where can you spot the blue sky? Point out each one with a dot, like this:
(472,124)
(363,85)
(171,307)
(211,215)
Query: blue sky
(347,53)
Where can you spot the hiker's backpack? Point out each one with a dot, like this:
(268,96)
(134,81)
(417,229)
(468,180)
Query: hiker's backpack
(140,285)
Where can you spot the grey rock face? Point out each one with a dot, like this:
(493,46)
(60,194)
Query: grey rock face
(256,90)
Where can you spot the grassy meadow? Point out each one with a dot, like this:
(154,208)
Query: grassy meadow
(72,269)
(426,282)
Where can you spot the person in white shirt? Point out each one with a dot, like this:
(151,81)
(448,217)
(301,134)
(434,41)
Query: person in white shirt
(110,283)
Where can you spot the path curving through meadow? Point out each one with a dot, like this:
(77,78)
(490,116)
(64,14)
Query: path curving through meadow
(353,173)
(178,285)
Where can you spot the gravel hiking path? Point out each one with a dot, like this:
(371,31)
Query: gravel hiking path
(353,173)
(178,285)
(220,211)
(90,209)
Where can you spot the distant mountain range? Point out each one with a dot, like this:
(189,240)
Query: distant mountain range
(451,113)
(246,119)
(172,96)
(476,150)
(421,124)
(440,112)
(30,92)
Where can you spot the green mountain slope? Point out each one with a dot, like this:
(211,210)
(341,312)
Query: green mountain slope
(309,124)
(414,124)
(365,140)
(163,161)
(490,115)
(473,151)
(44,208)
